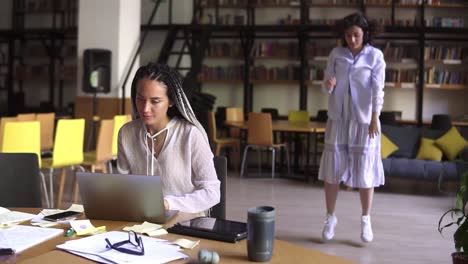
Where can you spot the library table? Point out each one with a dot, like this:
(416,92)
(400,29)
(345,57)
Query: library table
(284,252)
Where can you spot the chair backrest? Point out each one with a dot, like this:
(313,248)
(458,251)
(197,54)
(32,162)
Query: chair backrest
(68,143)
(387,118)
(104,141)
(19,181)
(273,111)
(298,116)
(3,121)
(26,117)
(322,115)
(260,129)
(219,210)
(211,126)
(441,122)
(22,137)
(234,114)
(47,121)
(119,121)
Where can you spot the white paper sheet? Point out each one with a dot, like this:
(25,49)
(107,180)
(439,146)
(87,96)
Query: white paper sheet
(8,217)
(22,237)
(156,250)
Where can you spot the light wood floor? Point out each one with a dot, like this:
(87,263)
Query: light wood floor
(405,226)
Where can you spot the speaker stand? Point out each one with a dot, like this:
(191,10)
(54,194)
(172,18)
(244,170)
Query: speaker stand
(94,120)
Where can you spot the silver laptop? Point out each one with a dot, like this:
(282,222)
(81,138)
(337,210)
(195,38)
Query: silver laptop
(123,197)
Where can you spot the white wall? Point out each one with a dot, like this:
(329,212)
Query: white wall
(112,25)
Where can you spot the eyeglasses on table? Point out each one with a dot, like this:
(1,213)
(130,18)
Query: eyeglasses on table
(134,240)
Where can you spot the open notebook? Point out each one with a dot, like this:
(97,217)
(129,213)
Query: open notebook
(22,237)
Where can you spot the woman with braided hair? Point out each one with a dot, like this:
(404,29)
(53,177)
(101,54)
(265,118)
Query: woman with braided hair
(166,139)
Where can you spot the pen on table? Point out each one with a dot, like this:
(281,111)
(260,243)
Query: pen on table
(6,251)
(70,232)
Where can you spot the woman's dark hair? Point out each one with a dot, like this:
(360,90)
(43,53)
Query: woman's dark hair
(369,28)
(173,81)
(164,74)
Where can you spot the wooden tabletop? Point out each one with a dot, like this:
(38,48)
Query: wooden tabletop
(284,252)
(287,126)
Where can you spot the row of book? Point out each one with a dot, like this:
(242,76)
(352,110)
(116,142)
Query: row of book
(268,49)
(319,2)
(445,53)
(399,52)
(271,49)
(447,22)
(234,72)
(289,72)
(401,75)
(435,76)
(224,49)
(41,71)
(226,19)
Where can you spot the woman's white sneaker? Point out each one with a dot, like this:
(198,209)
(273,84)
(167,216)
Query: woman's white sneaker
(366,229)
(329,229)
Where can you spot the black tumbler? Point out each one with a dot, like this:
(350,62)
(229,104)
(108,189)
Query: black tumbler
(260,233)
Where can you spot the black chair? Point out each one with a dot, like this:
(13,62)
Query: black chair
(273,111)
(387,118)
(19,180)
(219,210)
(322,115)
(441,122)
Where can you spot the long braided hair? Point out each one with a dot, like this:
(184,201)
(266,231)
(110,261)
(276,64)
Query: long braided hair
(173,81)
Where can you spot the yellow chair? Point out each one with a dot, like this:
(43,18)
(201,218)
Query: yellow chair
(298,116)
(300,141)
(103,154)
(219,143)
(3,121)
(260,135)
(67,152)
(24,137)
(26,117)
(119,121)
(47,121)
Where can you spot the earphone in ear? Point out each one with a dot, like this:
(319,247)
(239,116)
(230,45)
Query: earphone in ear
(208,257)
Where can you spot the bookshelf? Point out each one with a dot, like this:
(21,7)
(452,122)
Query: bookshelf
(44,47)
(415,80)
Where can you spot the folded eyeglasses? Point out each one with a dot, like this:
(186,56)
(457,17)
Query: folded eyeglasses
(134,240)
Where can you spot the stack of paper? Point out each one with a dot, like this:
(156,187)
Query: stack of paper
(94,248)
(8,217)
(22,237)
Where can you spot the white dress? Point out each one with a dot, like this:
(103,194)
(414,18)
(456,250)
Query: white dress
(350,155)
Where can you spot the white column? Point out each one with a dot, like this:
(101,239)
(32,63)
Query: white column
(112,25)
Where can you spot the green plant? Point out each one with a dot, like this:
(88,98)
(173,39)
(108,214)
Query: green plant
(459,216)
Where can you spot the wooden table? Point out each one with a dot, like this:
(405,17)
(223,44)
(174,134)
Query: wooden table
(284,252)
(285,126)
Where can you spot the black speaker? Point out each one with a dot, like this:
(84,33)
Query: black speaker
(97,70)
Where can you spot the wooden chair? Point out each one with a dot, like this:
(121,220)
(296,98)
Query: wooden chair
(260,135)
(99,158)
(234,114)
(220,143)
(67,152)
(47,121)
(24,137)
(26,117)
